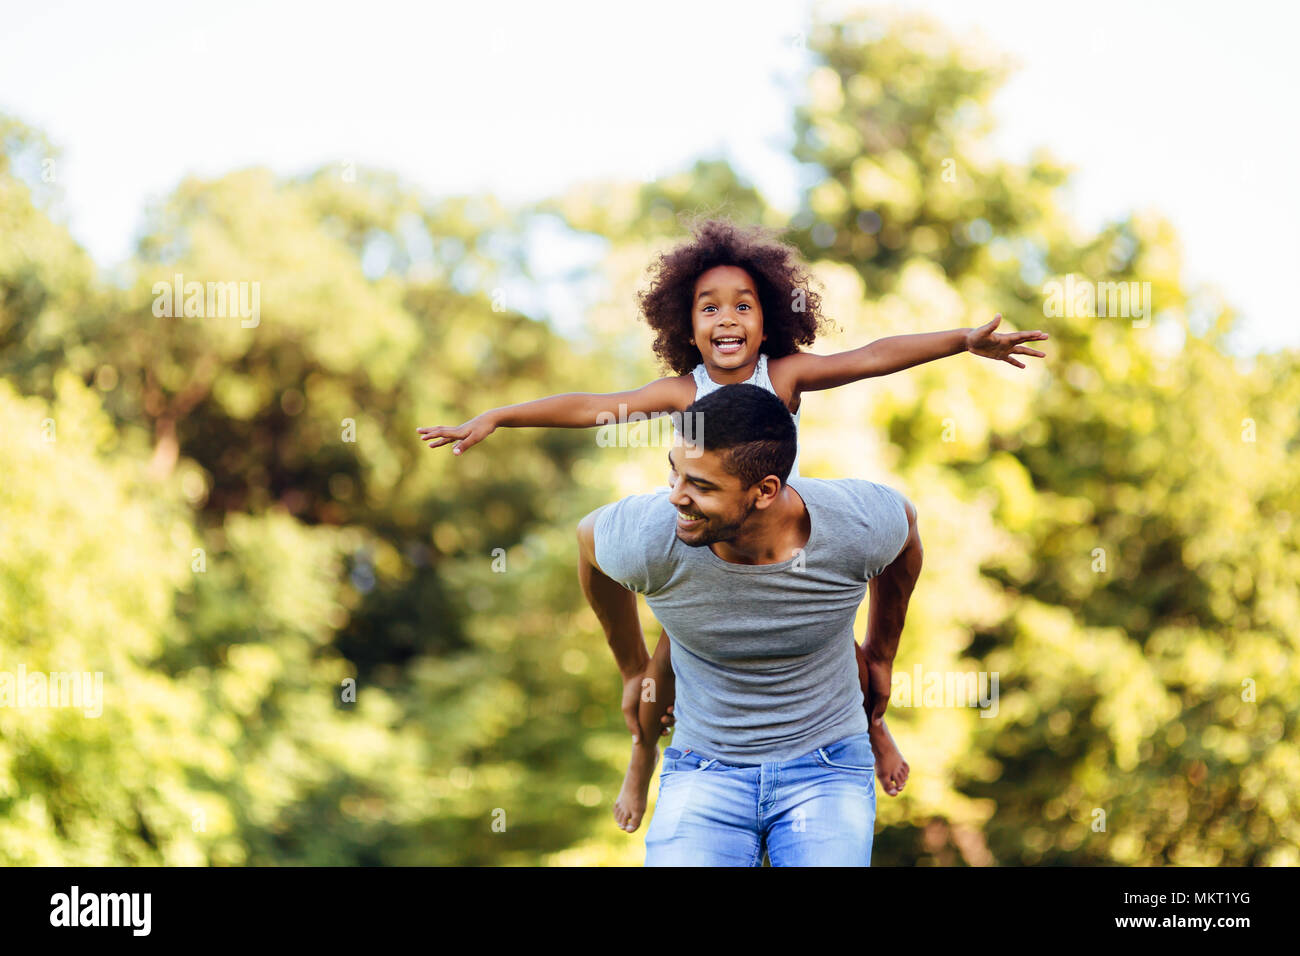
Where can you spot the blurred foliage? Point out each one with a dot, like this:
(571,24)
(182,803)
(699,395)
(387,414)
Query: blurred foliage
(236,524)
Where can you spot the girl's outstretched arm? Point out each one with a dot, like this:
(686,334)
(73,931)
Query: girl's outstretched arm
(804,372)
(570,410)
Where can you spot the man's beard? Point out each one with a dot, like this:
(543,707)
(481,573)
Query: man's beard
(713,533)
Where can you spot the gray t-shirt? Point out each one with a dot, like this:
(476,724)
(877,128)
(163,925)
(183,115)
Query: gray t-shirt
(763,653)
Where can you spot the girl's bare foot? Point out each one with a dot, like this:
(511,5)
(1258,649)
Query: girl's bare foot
(629,808)
(891,768)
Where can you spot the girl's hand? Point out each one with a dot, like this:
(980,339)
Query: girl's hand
(1001,345)
(469,434)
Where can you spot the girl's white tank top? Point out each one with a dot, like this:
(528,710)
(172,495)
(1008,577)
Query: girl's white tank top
(704,385)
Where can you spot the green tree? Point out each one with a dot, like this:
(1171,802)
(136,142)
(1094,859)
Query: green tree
(1142,528)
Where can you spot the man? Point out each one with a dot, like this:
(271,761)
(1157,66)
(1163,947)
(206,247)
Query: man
(757,582)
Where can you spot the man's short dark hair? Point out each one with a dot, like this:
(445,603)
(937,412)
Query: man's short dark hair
(751,426)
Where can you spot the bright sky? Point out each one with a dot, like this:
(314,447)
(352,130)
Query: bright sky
(1187,107)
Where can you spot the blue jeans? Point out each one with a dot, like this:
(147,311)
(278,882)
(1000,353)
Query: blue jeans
(814,810)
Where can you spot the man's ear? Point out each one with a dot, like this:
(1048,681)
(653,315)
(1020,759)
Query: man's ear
(768,490)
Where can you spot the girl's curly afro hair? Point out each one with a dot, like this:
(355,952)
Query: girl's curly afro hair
(791,309)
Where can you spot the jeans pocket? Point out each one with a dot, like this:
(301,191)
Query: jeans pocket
(851,755)
(678,761)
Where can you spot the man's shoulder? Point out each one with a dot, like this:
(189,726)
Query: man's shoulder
(648,515)
(853,494)
(871,518)
(649,504)
(634,538)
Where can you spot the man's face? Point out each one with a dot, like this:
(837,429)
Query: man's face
(726,317)
(711,504)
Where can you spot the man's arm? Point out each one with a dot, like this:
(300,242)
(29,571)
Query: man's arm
(616,609)
(891,590)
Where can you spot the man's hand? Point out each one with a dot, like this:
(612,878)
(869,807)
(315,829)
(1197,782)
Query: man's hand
(632,704)
(880,676)
(1000,346)
(876,679)
(469,434)
(632,687)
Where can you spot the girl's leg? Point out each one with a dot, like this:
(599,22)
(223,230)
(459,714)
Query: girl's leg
(656,697)
(658,689)
(891,769)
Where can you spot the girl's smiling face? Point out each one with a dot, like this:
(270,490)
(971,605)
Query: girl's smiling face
(726,318)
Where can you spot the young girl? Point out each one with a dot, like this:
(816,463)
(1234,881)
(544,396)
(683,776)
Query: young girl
(733,305)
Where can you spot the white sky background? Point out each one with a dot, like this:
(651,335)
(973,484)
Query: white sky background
(1186,107)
